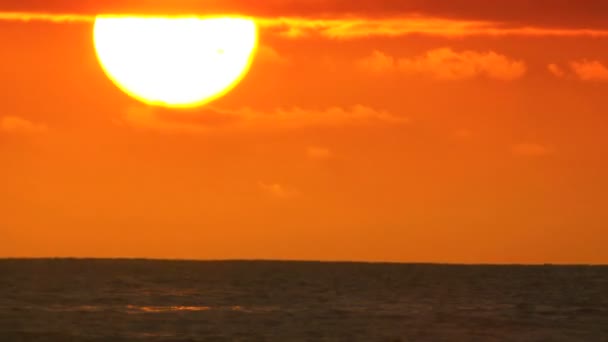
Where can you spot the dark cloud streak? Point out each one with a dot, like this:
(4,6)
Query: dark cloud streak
(588,14)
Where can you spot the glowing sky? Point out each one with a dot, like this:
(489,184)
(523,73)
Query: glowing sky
(438,131)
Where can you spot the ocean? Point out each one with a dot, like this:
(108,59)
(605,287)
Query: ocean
(145,300)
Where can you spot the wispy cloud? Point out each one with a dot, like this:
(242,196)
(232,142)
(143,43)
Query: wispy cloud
(531,150)
(277,190)
(378,62)
(355,28)
(46,17)
(342,27)
(556,70)
(588,70)
(318,153)
(447,64)
(583,70)
(270,55)
(208,119)
(505,16)
(13,124)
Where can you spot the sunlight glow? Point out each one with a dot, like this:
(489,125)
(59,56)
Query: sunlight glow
(175,62)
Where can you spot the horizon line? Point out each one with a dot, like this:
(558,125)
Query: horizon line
(321,261)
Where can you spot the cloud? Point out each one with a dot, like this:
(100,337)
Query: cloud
(530,150)
(46,17)
(361,27)
(318,153)
(270,55)
(354,28)
(564,14)
(157,119)
(277,190)
(13,124)
(583,70)
(335,19)
(210,119)
(587,70)
(447,64)
(556,70)
(378,62)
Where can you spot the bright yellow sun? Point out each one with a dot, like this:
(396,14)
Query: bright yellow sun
(175,62)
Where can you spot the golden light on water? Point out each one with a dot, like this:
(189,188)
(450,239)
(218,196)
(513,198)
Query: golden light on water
(175,62)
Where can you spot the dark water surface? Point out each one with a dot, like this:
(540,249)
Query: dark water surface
(137,300)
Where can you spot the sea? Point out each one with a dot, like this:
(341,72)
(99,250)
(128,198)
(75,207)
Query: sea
(151,300)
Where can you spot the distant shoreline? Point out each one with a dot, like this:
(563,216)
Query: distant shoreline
(294,261)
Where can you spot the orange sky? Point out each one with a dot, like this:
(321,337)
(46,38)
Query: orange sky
(379,130)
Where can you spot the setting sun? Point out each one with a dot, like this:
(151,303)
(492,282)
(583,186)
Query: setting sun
(175,62)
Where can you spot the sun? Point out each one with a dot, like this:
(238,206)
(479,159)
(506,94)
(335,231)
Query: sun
(175,62)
